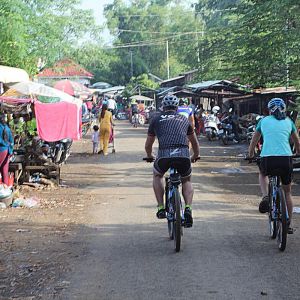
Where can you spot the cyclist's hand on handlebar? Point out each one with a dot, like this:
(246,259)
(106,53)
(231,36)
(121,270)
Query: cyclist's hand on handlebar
(149,158)
(194,158)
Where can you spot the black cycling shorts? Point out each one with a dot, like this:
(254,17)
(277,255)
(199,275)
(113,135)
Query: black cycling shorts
(181,164)
(277,165)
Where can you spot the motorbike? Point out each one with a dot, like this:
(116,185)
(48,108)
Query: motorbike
(250,133)
(59,151)
(138,119)
(226,133)
(211,127)
(122,115)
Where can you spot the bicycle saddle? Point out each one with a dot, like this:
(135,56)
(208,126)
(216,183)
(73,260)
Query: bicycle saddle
(175,178)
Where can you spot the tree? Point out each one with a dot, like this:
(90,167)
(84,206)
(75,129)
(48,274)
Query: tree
(41,28)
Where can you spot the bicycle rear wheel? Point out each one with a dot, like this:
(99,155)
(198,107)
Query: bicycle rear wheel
(169,210)
(272,215)
(282,226)
(177,221)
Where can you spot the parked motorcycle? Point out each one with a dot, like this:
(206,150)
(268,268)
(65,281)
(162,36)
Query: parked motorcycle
(122,115)
(59,151)
(211,127)
(250,133)
(138,119)
(211,124)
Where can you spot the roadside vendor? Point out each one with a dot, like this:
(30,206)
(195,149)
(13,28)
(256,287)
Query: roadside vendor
(6,148)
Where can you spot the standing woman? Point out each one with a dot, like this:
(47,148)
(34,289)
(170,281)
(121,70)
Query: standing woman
(106,123)
(6,148)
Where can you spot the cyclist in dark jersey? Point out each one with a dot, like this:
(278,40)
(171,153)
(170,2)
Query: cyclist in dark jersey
(173,132)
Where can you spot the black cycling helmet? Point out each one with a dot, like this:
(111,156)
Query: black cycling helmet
(277,108)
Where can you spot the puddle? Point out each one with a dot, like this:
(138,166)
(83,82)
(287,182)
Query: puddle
(296,210)
(228,171)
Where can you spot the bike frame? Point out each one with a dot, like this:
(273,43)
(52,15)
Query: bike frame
(171,187)
(274,186)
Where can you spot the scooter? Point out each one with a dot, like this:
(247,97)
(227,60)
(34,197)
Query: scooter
(211,127)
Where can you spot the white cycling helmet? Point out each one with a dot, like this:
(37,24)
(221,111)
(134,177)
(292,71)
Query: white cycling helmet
(216,109)
(277,108)
(276,103)
(170,100)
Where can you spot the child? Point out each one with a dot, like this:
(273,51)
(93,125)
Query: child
(95,139)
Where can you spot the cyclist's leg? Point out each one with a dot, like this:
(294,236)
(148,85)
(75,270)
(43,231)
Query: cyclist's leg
(187,190)
(264,184)
(286,180)
(183,166)
(288,196)
(158,187)
(159,168)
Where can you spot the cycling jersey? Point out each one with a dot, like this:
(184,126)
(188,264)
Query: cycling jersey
(185,111)
(276,135)
(171,130)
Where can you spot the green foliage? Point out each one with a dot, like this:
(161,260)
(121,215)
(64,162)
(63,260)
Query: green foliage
(142,81)
(252,40)
(152,24)
(30,29)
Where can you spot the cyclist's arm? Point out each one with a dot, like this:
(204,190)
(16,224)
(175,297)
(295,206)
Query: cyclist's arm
(192,120)
(195,145)
(254,141)
(148,145)
(296,141)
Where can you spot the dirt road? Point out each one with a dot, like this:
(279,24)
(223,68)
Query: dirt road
(115,248)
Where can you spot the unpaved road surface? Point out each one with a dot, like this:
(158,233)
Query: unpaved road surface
(111,246)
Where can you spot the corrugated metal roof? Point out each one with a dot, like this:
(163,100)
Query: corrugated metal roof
(275,90)
(204,84)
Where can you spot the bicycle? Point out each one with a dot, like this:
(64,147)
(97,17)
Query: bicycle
(278,215)
(173,205)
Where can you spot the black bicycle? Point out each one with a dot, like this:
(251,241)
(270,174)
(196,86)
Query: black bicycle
(174,207)
(278,213)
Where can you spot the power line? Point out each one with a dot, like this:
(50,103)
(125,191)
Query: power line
(159,32)
(163,39)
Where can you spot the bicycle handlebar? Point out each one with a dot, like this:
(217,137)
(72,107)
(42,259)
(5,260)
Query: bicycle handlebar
(151,159)
(257,159)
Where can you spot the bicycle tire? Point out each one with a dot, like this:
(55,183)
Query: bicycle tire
(282,226)
(272,222)
(177,221)
(225,140)
(167,201)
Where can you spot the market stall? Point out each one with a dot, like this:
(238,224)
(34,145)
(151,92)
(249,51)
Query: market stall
(40,117)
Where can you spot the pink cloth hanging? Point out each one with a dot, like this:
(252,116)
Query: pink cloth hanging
(57,121)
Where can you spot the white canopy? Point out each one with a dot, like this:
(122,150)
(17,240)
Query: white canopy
(10,75)
(141,98)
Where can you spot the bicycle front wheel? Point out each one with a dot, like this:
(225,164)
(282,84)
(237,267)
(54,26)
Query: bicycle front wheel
(177,221)
(282,226)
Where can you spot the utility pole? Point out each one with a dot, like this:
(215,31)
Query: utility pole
(168,62)
(131,64)
(287,65)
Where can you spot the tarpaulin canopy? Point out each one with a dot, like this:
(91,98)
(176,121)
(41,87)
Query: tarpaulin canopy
(45,93)
(72,88)
(9,75)
(141,98)
(58,114)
